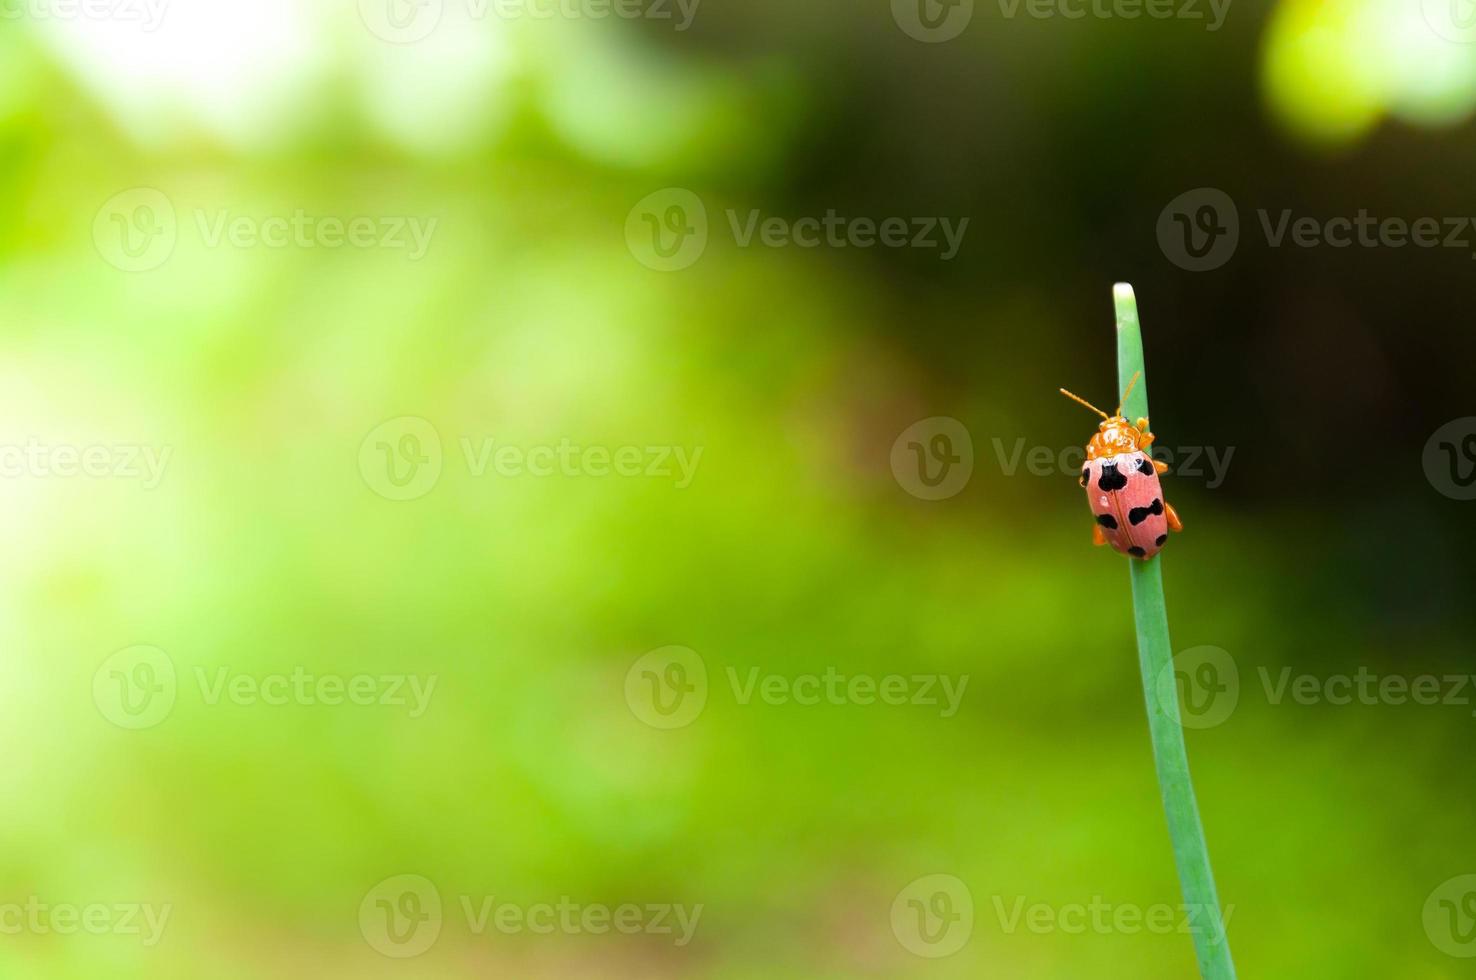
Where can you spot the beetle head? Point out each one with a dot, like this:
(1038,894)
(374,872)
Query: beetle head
(1115,436)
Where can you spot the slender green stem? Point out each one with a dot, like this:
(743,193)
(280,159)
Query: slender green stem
(1155,657)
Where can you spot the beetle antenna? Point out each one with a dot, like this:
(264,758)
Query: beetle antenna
(1083,401)
(1129,391)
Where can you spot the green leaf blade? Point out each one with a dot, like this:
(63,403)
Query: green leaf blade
(1155,660)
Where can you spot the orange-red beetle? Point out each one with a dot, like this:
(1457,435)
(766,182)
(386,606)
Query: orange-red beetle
(1122,488)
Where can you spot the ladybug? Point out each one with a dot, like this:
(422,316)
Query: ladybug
(1121,482)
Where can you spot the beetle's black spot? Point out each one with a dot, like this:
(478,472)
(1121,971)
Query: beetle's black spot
(1107,521)
(1085,476)
(1145,467)
(1138,515)
(1136,552)
(1161,539)
(1111,479)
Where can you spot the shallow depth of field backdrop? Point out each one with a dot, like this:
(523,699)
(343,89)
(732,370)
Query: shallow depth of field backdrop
(454,505)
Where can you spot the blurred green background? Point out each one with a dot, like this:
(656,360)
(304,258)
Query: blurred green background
(260,375)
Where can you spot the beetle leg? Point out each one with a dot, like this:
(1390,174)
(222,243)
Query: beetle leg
(1160,466)
(1142,425)
(1145,440)
(1098,538)
(1172,516)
